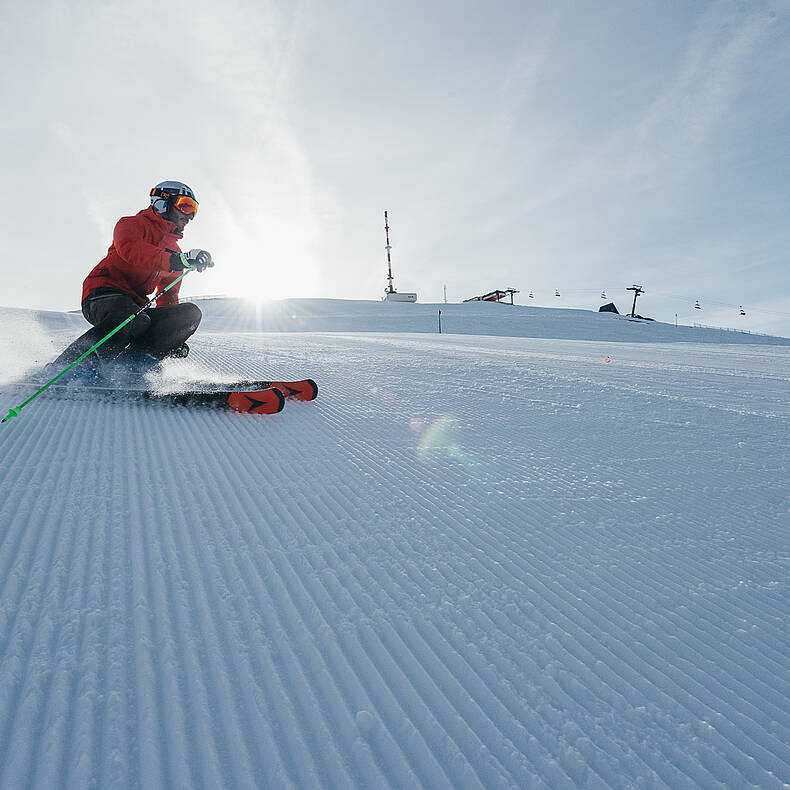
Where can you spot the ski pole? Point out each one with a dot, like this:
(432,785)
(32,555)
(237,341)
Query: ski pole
(14,412)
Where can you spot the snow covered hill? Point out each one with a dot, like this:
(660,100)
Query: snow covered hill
(477,318)
(483,559)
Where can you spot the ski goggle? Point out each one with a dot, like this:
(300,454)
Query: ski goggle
(185,204)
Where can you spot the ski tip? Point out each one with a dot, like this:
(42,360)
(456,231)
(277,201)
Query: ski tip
(311,390)
(306,389)
(268,401)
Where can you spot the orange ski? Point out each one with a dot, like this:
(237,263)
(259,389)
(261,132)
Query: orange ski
(306,389)
(266,401)
(299,390)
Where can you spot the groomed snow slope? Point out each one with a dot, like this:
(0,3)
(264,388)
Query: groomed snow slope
(475,561)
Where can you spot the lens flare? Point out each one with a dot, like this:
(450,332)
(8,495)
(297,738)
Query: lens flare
(441,439)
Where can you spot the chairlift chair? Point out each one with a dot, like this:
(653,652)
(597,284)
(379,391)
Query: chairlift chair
(696,305)
(556,293)
(743,312)
(531,295)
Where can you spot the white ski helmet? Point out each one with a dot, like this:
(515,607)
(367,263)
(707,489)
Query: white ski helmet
(162,193)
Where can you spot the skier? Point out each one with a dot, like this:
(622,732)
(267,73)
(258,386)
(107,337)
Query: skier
(144,257)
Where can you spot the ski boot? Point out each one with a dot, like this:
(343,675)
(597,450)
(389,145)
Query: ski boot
(85,374)
(178,353)
(128,369)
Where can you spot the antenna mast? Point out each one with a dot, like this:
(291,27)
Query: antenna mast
(390,294)
(389,289)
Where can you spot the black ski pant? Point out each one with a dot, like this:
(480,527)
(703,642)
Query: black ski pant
(156,331)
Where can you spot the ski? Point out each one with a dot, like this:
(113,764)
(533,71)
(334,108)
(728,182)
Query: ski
(245,395)
(260,400)
(269,400)
(306,389)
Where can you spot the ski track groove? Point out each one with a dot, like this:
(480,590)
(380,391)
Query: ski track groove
(357,589)
(278,604)
(377,626)
(450,659)
(34,682)
(148,691)
(199,637)
(114,741)
(235,574)
(76,759)
(392,597)
(294,594)
(317,598)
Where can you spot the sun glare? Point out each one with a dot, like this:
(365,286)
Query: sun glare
(261,282)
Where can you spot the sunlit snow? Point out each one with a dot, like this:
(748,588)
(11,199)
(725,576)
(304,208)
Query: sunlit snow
(544,549)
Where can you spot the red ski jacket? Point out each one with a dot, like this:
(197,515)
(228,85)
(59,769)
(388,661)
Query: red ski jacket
(138,261)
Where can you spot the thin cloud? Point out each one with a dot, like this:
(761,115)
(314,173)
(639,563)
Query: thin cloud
(702,92)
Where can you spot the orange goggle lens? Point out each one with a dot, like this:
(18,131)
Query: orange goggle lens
(186,205)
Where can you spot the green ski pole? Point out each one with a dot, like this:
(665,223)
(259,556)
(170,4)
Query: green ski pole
(14,412)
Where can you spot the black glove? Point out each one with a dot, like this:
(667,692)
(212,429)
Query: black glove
(199,260)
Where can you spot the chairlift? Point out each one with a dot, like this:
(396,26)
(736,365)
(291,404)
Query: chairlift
(743,312)
(556,293)
(531,295)
(603,294)
(696,305)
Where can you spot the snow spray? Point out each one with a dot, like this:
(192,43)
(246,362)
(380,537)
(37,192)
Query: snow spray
(14,412)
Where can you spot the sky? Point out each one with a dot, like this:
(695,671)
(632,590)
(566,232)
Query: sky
(571,147)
